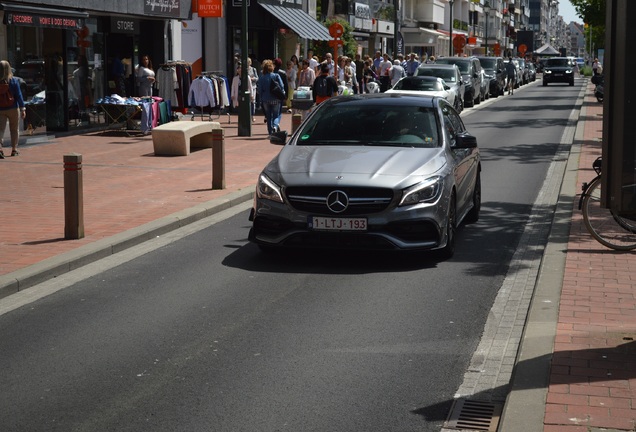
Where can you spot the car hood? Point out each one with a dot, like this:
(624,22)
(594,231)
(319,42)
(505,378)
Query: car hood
(355,165)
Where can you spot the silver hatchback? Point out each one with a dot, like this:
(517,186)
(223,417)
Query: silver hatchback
(380,172)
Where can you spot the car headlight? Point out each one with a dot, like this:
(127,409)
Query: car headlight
(424,192)
(547,71)
(267,189)
(568,71)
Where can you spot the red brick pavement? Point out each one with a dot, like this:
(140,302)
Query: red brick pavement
(593,374)
(125,186)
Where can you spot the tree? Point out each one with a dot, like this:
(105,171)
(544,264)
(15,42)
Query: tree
(592,12)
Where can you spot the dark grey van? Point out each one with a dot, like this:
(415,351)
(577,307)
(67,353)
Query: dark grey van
(470,69)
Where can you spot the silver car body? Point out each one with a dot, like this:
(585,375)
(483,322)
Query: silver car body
(450,74)
(435,87)
(339,182)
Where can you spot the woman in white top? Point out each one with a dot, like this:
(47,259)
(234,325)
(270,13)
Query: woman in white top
(145,76)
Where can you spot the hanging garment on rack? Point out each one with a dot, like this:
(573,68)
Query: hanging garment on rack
(168,83)
(202,93)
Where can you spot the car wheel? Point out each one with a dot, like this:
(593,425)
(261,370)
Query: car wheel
(572,82)
(447,251)
(473,215)
(468,102)
(545,83)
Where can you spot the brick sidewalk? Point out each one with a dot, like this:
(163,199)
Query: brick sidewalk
(593,374)
(125,186)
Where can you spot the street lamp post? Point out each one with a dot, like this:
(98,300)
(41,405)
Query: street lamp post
(487,12)
(450,44)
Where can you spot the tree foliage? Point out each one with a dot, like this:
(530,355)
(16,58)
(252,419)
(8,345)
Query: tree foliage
(592,12)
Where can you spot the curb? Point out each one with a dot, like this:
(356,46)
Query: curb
(524,410)
(53,267)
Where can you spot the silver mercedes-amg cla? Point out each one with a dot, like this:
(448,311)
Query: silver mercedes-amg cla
(381,172)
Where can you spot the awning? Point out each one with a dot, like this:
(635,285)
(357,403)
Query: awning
(22,15)
(421,36)
(299,21)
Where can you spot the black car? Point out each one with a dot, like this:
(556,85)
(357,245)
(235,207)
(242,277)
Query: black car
(558,69)
(496,71)
(470,69)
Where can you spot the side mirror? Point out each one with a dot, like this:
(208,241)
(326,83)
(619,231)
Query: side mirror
(465,141)
(279,138)
(446,87)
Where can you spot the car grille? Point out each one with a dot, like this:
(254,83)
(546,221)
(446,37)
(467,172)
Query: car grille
(360,200)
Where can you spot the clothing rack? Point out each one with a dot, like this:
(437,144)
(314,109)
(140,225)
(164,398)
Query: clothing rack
(183,72)
(217,111)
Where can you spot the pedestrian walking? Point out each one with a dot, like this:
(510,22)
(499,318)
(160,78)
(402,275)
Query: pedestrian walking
(396,73)
(12,107)
(271,105)
(325,85)
(278,63)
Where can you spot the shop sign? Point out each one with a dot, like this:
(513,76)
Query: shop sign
(363,10)
(167,8)
(124,25)
(43,20)
(210,8)
(384,27)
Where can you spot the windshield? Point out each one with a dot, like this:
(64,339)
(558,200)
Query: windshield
(488,63)
(447,75)
(462,64)
(371,125)
(557,62)
(418,85)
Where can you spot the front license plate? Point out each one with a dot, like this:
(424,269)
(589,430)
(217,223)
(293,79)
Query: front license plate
(337,224)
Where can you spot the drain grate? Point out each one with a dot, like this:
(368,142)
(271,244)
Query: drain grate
(474,415)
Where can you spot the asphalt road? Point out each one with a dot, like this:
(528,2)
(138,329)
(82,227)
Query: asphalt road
(206,333)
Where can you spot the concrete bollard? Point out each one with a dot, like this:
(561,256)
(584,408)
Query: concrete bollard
(73,197)
(218,158)
(296,121)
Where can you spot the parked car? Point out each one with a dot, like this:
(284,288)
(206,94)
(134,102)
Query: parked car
(370,172)
(451,75)
(558,69)
(470,69)
(525,78)
(425,85)
(496,72)
(532,71)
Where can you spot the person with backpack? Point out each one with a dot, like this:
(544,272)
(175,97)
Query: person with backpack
(12,107)
(325,85)
(271,104)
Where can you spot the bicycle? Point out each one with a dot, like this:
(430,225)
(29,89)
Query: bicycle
(608,228)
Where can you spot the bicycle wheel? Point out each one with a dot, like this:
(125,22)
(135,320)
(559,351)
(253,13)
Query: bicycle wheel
(607,228)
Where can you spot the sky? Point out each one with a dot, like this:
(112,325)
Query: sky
(567,11)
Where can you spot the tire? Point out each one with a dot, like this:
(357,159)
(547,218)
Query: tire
(448,251)
(571,83)
(608,229)
(473,215)
(545,83)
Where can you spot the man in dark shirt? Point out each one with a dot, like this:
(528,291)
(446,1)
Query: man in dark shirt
(325,85)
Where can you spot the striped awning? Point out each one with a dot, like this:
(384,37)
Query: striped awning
(299,21)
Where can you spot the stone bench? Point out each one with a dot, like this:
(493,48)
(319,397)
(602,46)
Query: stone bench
(177,137)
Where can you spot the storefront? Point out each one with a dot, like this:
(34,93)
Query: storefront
(69,59)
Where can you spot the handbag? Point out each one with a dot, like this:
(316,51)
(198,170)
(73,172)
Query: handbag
(277,91)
